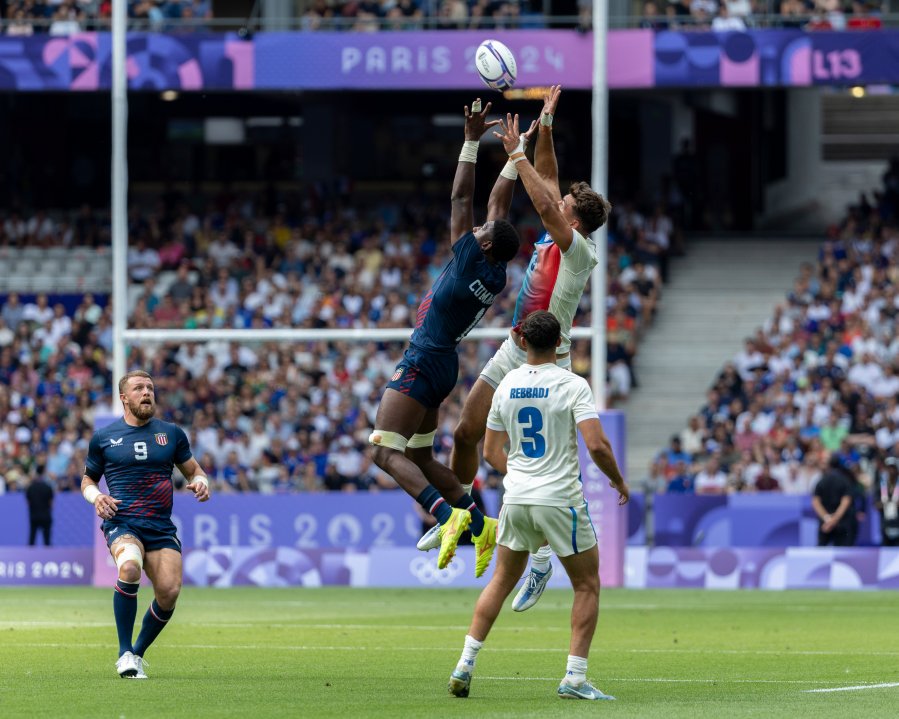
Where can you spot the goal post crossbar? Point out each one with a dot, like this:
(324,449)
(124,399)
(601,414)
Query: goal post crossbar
(287,334)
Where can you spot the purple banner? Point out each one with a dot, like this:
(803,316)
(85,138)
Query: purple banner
(609,520)
(442,60)
(72,525)
(303,521)
(44,565)
(156,61)
(274,567)
(285,526)
(732,59)
(741,520)
(792,568)
(377,567)
(416,60)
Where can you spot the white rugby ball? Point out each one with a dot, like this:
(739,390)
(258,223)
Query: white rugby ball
(496,65)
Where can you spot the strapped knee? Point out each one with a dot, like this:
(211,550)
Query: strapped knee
(393,440)
(128,552)
(422,441)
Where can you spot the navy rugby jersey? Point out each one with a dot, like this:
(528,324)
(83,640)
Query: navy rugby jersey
(458,298)
(138,463)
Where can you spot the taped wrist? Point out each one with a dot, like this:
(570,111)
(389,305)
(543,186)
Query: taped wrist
(469,151)
(90,493)
(510,172)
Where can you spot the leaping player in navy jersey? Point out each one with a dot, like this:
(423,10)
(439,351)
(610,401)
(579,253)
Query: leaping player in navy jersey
(407,417)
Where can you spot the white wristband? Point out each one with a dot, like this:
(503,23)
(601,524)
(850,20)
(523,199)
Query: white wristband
(509,171)
(469,151)
(201,479)
(91,492)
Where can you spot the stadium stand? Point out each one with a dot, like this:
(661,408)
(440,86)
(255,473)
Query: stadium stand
(820,377)
(253,409)
(25,17)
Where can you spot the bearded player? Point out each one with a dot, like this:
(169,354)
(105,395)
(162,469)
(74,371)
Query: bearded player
(137,455)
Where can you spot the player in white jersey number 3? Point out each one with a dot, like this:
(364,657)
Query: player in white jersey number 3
(538,410)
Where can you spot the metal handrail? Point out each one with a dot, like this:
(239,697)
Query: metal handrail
(528,21)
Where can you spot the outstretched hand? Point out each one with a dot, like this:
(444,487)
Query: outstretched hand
(510,135)
(529,135)
(551,100)
(476,123)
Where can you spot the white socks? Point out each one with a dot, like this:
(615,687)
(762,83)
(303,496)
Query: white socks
(540,560)
(576,672)
(469,654)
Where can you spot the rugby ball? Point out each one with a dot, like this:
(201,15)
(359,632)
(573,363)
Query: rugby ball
(496,65)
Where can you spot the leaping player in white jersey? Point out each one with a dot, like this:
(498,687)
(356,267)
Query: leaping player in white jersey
(559,269)
(538,409)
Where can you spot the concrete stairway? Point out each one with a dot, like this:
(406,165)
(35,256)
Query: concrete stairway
(717,294)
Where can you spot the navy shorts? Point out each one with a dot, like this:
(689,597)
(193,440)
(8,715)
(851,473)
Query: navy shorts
(426,377)
(153,533)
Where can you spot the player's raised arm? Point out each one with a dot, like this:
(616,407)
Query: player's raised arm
(462,198)
(197,481)
(545,202)
(545,152)
(504,188)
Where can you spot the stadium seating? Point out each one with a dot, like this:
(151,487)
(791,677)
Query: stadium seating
(324,394)
(818,378)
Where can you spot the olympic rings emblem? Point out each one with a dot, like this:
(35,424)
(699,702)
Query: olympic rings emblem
(425,570)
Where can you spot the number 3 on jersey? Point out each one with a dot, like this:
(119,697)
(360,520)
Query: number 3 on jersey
(533,444)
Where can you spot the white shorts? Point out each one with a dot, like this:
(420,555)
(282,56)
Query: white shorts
(510,356)
(525,527)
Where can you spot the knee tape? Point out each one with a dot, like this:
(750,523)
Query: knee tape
(393,440)
(421,441)
(128,552)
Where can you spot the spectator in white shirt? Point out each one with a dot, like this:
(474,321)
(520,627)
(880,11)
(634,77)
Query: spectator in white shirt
(143,262)
(725,22)
(38,311)
(710,479)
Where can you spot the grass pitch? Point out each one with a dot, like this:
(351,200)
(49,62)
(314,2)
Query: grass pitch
(339,652)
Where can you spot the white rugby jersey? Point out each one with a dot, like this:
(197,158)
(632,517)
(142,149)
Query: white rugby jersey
(555,281)
(539,407)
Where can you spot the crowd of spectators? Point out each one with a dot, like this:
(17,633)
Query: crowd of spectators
(819,380)
(741,15)
(67,17)
(273,416)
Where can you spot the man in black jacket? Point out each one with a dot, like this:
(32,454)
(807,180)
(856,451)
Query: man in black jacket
(832,502)
(40,509)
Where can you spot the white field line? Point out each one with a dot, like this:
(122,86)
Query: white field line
(856,688)
(516,650)
(606,607)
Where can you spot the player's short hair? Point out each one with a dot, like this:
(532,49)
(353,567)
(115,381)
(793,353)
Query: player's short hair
(506,242)
(591,208)
(541,330)
(132,373)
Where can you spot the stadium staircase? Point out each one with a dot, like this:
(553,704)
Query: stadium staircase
(717,294)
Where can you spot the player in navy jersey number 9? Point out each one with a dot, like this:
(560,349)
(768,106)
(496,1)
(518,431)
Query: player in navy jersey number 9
(137,455)
(403,438)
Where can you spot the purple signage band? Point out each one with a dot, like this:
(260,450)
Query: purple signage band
(609,520)
(440,60)
(744,568)
(44,565)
